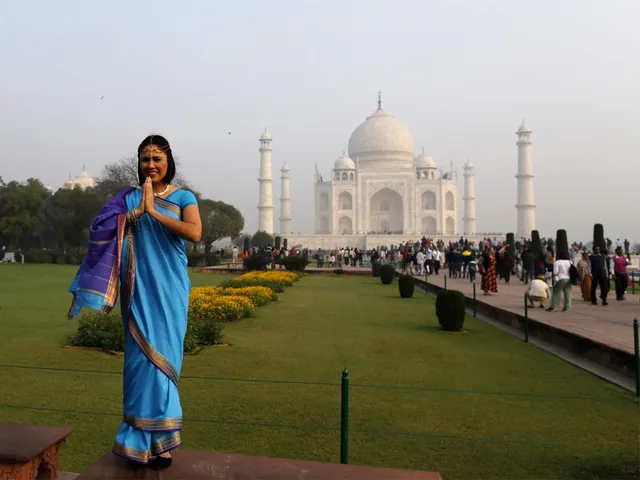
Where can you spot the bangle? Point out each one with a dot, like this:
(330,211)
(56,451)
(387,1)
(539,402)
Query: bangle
(132,216)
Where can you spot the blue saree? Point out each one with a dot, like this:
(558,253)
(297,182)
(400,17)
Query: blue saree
(154,299)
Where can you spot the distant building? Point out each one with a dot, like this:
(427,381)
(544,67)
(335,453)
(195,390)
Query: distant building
(82,180)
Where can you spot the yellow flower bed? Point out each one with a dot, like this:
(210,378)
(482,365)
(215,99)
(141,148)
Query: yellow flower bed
(282,277)
(258,295)
(205,303)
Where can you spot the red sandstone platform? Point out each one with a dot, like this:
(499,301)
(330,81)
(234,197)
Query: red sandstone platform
(196,464)
(611,325)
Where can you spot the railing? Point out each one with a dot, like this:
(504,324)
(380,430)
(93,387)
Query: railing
(346,407)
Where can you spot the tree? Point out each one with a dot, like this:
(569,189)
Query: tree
(261,239)
(239,241)
(219,220)
(19,203)
(562,243)
(124,173)
(598,237)
(74,210)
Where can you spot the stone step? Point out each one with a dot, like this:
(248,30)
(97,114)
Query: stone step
(197,464)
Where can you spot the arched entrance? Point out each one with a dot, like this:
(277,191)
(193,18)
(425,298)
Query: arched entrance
(429,226)
(345,226)
(451,226)
(385,212)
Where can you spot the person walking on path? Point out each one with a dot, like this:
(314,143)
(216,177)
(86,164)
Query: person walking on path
(562,282)
(489,278)
(620,263)
(585,277)
(599,276)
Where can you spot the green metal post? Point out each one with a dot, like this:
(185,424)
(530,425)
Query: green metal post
(636,350)
(526,317)
(474,298)
(445,282)
(344,418)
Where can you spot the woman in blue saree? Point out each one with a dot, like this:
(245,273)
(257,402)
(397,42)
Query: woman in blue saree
(139,237)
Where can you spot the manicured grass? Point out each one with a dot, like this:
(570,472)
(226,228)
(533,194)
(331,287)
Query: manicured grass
(318,327)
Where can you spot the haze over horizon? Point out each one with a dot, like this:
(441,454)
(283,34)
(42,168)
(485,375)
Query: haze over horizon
(211,76)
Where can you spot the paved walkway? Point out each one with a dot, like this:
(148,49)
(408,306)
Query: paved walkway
(610,325)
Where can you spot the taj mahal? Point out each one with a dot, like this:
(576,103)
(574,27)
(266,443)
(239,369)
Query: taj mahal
(381,193)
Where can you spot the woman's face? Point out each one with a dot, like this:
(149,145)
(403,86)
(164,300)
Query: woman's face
(153,163)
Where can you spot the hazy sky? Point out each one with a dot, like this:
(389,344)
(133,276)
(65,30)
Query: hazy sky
(460,74)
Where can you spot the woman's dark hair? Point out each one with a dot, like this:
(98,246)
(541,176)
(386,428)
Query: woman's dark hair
(163,144)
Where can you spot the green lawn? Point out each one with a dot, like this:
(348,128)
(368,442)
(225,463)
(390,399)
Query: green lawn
(318,327)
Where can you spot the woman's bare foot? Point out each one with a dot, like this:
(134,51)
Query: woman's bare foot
(165,455)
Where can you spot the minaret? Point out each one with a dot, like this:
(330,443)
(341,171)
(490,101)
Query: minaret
(469,219)
(285,200)
(265,207)
(526,204)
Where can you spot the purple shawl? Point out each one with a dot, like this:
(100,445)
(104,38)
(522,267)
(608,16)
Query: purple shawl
(96,283)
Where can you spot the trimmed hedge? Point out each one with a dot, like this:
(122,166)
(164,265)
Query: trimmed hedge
(375,269)
(295,263)
(450,310)
(102,330)
(598,238)
(197,259)
(387,274)
(406,285)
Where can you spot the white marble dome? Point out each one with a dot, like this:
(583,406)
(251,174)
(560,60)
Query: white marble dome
(344,163)
(82,180)
(382,140)
(425,161)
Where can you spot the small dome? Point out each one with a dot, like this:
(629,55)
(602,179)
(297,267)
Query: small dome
(285,168)
(468,165)
(344,163)
(265,136)
(425,161)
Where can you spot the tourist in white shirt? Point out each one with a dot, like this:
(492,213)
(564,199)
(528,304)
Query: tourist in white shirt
(420,262)
(562,284)
(538,291)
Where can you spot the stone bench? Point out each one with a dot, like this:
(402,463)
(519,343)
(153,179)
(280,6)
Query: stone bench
(30,451)
(196,464)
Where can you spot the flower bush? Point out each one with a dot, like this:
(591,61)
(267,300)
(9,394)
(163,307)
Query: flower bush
(282,277)
(258,295)
(203,305)
(106,331)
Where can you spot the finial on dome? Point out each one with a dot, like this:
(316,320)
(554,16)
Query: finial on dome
(379,99)
(422,150)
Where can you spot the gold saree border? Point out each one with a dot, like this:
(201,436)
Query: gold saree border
(154,425)
(152,354)
(166,444)
(157,447)
(169,206)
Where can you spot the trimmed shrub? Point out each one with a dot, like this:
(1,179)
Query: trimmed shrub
(295,263)
(536,245)
(106,331)
(562,243)
(197,259)
(598,237)
(203,332)
(387,274)
(278,242)
(338,271)
(511,244)
(450,310)
(246,244)
(285,244)
(375,269)
(261,239)
(407,285)
(256,261)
